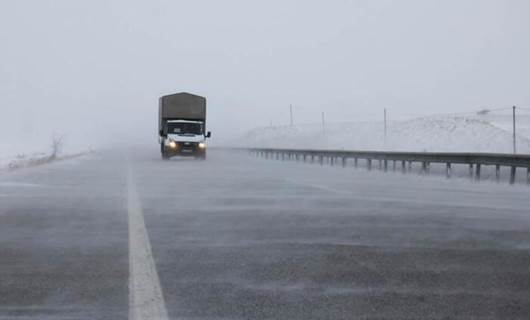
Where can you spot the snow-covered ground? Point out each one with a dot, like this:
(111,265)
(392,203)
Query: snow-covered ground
(426,134)
(12,154)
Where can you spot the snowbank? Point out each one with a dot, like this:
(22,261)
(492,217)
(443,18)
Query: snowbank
(15,156)
(428,134)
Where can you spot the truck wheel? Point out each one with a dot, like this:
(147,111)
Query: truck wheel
(163,152)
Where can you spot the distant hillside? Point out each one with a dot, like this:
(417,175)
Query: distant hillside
(443,134)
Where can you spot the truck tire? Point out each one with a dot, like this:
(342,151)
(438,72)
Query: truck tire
(163,152)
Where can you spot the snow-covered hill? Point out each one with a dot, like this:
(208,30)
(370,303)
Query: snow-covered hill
(431,134)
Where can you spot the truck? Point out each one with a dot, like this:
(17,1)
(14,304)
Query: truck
(182,125)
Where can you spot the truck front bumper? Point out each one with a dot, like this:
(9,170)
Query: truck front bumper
(185,149)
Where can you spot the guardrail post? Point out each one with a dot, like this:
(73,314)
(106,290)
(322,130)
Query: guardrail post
(356,162)
(497,172)
(303,157)
(403,166)
(312,158)
(385,164)
(394,165)
(477,172)
(512,174)
(296,157)
(343,162)
(369,164)
(423,167)
(448,170)
(331,160)
(321,159)
(410,166)
(528,175)
(380,164)
(471,171)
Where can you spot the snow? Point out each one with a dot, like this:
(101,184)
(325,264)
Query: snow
(10,153)
(426,134)
(29,151)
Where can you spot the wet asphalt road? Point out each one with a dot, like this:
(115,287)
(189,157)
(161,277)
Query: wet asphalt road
(235,237)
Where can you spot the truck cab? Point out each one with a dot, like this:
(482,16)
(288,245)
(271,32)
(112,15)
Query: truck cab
(185,137)
(182,126)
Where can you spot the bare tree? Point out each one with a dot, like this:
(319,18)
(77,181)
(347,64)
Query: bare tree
(57,144)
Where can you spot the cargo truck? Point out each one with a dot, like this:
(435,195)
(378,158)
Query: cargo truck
(182,125)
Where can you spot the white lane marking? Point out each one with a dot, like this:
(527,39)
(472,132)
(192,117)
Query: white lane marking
(146,301)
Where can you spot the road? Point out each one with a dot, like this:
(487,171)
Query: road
(124,235)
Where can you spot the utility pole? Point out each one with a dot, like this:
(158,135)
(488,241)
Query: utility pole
(514,141)
(291,111)
(323,124)
(385,125)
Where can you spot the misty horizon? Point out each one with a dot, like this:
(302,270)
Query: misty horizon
(95,70)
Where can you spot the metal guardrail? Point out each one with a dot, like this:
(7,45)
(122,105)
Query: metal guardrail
(474,160)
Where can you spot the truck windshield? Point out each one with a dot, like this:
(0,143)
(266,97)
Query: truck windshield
(184,128)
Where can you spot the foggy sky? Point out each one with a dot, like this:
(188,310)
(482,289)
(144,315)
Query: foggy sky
(95,69)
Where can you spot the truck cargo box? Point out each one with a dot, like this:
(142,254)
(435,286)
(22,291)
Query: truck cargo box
(182,106)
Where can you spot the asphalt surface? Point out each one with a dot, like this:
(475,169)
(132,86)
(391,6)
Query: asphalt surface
(235,237)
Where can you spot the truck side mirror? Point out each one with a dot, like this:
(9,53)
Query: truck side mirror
(209,134)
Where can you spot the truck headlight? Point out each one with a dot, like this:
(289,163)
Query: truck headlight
(202,145)
(172,144)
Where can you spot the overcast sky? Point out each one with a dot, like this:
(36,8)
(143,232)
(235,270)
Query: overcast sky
(95,69)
